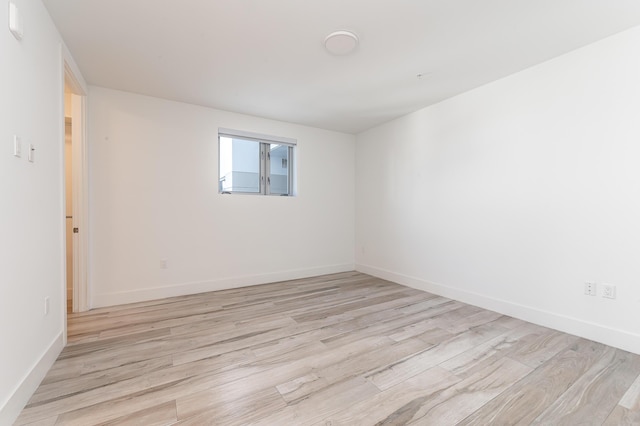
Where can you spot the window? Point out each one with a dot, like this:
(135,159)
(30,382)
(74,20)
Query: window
(250,163)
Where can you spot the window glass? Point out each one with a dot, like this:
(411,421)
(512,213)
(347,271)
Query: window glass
(279,169)
(252,163)
(239,165)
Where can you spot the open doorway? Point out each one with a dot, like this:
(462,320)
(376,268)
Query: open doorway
(68,190)
(76,206)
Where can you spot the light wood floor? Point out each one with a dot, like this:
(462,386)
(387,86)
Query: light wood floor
(344,349)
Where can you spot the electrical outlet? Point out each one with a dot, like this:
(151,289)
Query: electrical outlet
(163,263)
(590,289)
(609,291)
(46,306)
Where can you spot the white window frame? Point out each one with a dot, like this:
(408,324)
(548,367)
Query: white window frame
(265,160)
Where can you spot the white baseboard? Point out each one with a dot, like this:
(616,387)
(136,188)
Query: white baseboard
(609,336)
(151,293)
(19,398)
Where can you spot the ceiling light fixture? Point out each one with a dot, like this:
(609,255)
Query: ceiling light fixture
(341,43)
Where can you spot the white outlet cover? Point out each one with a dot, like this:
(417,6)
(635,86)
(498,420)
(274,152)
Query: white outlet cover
(590,289)
(609,291)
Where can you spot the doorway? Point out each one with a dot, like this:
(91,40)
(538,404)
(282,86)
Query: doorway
(76,199)
(68,191)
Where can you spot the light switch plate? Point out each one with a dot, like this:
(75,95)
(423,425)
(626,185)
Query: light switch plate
(17,146)
(32,153)
(15,21)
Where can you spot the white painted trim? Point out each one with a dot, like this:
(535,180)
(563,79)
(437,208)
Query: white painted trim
(21,395)
(81,204)
(71,74)
(63,206)
(256,136)
(70,66)
(152,293)
(609,336)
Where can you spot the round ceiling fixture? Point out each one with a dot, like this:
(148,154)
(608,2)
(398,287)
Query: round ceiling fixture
(341,43)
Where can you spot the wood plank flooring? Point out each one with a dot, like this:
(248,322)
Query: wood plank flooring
(343,349)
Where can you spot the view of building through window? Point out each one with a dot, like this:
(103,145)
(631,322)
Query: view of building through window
(254,166)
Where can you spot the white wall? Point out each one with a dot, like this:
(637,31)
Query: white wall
(154,195)
(32,205)
(511,196)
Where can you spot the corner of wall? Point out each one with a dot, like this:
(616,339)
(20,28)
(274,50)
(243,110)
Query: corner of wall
(609,336)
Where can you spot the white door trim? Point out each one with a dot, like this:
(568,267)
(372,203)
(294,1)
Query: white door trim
(80,205)
(72,78)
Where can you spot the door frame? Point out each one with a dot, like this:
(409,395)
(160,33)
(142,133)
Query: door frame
(72,78)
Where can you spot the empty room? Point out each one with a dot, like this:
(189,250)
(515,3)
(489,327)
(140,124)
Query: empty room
(235,212)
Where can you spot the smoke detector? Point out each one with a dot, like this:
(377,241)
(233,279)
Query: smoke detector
(341,43)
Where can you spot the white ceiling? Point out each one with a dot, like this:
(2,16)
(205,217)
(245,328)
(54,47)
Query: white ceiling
(266,57)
